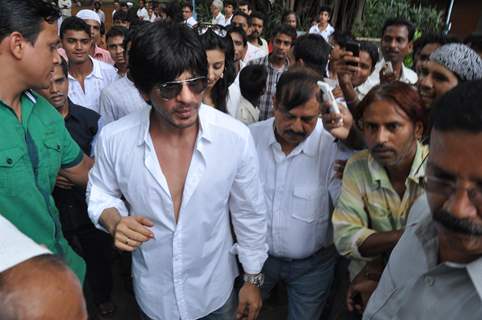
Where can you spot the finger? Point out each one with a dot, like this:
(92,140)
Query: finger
(144,221)
(136,226)
(132,234)
(123,247)
(251,312)
(240,310)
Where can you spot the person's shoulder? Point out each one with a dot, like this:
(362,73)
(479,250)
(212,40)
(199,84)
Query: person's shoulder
(314,29)
(122,130)
(260,128)
(105,67)
(358,162)
(83,112)
(223,122)
(115,86)
(43,107)
(410,75)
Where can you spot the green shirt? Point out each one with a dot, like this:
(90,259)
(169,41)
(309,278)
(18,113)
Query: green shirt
(368,203)
(32,151)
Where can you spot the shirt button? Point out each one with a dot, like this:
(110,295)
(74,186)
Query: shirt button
(9,161)
(429,281)
(58,147)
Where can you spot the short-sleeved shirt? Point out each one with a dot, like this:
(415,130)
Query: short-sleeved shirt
(368,203)
(32,151)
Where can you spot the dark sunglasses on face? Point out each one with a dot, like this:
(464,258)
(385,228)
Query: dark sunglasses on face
(171,89)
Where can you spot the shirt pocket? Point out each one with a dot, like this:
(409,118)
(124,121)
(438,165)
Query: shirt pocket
(54,150)
(12,173)
(307,203)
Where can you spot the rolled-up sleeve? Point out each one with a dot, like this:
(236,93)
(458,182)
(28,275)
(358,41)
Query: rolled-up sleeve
(102,190)
(350,220)
(248,211)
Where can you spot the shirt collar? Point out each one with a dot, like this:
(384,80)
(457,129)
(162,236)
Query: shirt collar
(417,171)
(96,72)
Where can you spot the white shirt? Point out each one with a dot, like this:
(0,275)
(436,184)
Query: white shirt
(263,46)
(253,52)
(66,7)
(227,21)
(120,98)
(191,22)
(300,190)
(247,113)
(143,14)
(188,270)
(219,19)
(102,75)
(407,76)
(325,33)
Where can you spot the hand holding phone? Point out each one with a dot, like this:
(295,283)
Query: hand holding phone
(354,48)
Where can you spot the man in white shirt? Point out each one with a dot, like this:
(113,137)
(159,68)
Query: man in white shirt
(228,12)
(396,44)
(323,27)
(142,13)
(256,27)
(166,179)
(187,14)
(217,16)
(296,157)
(87,77)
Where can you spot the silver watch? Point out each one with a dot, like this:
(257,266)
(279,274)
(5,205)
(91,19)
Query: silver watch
(254,279)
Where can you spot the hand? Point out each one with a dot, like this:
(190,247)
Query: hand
(63,183)
(130,232)
(250,302)
(363,285)
(339,125)
(386,76)
(339,167)
(346,67)
(337,93)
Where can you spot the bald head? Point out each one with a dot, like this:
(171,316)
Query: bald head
(42,287)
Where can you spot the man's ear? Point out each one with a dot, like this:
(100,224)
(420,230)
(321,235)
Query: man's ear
(410,47)
(16,44)
(419,130)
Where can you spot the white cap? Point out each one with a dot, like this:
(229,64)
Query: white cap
(86,14)
(15,247)
(129,4)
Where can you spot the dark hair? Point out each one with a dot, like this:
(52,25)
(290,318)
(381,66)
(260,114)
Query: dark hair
(244,15)
(372,51)
(26,17)
(252,81)
(117,31)
(285,15)
(284,29)
(160,52)
(187,4)
(74,23)
(244,3)
(229,2)
(429,38)
(296,86)
(258,15)
(399,93)
(474,41)
(211,41)
(325,9)
(314,51)
(399,22)
(132,34)
(120,15)
(174,12)
(65,67)
(123,4)
(240,31)
(341,38)
(459,109)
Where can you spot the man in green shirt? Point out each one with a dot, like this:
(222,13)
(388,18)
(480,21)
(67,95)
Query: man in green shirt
(35,146)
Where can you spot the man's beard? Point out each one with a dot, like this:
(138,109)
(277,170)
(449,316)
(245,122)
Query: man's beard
(462,226)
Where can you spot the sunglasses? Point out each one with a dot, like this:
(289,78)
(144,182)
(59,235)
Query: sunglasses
(171,89)
(202,28)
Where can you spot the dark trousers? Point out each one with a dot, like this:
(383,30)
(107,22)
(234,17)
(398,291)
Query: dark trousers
(95,247)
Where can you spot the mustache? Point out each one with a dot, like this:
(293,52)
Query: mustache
(380,148)
(295,134)
(452,223)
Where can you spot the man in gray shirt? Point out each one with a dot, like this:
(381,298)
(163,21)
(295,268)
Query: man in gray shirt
(435,271)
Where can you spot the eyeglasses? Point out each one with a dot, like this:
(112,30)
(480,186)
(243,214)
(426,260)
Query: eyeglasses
(443,187)
(218,29)
(171,89)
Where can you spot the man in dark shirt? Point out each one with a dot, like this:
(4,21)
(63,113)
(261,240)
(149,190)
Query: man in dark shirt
(93,245)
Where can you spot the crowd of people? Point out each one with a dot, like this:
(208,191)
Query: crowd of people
(222,162)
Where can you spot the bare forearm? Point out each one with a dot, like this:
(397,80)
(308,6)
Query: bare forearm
(109,219)
(351,97)
(380,243)
(79,175)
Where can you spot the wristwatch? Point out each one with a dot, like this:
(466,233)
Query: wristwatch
(254,279)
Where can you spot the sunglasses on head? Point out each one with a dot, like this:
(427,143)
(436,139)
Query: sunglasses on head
(171,89)
(218,29)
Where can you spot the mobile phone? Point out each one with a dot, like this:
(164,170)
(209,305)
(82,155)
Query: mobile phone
(388,67)
(353,47)
(328,96)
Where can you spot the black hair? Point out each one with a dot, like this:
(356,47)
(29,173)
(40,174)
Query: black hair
(296,86)
(161,51)
(120,15)
(429,38)
(174,12)
(286,14)
(285,29)
(325,9)
(65,67)
(341,38)
(240,31)
(132,34)
(74,23)
(399,22)
(26,17)
(313,50)
(459,109)
(117,31)
(102,28)
(242,14)
(258,15)
(123,4)
(211,41)
(474,41)
(244,3)
(229,2)
(372,51)
(187,4)
(252,82)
